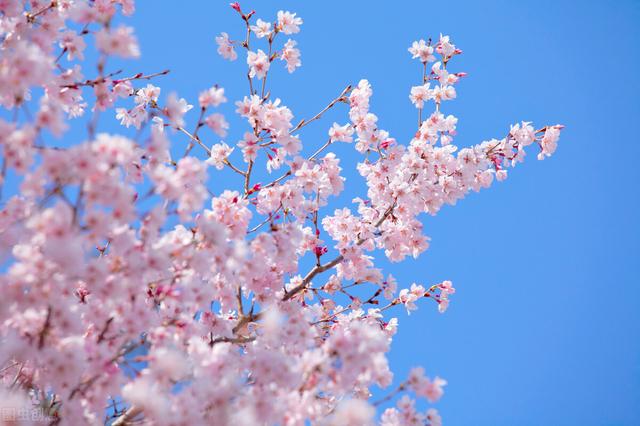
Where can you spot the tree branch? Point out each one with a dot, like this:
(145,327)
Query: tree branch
(319,269)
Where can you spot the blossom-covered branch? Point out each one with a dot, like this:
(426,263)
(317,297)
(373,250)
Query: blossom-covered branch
(133,292)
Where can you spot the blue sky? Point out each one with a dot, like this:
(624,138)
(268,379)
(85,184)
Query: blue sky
(545,326)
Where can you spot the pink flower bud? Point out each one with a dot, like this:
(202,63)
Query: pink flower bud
(319,250)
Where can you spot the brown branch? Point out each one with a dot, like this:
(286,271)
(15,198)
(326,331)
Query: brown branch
(31,17)
(194,136)
(232,167)
(141,76)
(235,340)
(267,220)
(3,175)
(322,268)
(244,320)
(264,80)
(45,329)
(399,389)
(102,334)
(128,415)
(322,148)
(340,98)
(247,177)
(194,139)
(99,80)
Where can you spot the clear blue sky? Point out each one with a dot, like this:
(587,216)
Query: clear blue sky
(545,326)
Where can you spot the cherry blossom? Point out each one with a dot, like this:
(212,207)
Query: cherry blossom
(445,47)
(225,48)
(175,110)
(219,154)
(291,55)
(341,133)
(421,94)
(212,97)
(218,124)
(261,28)
(73,44)
(157,274)
(288,22)
(423,51)
(549,142)
(258,64)
(119,41)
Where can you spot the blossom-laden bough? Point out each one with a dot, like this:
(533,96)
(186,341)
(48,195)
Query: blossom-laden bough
(123,295)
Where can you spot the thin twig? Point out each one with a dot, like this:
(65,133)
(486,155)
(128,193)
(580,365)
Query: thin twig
(340,98)
(194,136)
(195,139)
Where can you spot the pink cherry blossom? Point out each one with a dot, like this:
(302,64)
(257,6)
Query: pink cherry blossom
(423,51)
(446,287)
(261,28)
(175,110)
(249,146)
(258,64)
(339,133)
(119,41)
(147,95)
(225,48)
(288,22)
(219,154)
(291,56)
(123,89)
(218,124)
(445,47)
(408,297)
(352,412)
(163,276)
(73,44)
(549,142)
(212,97)
(421,94)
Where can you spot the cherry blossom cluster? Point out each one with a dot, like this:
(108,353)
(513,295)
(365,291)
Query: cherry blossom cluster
(132,292)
